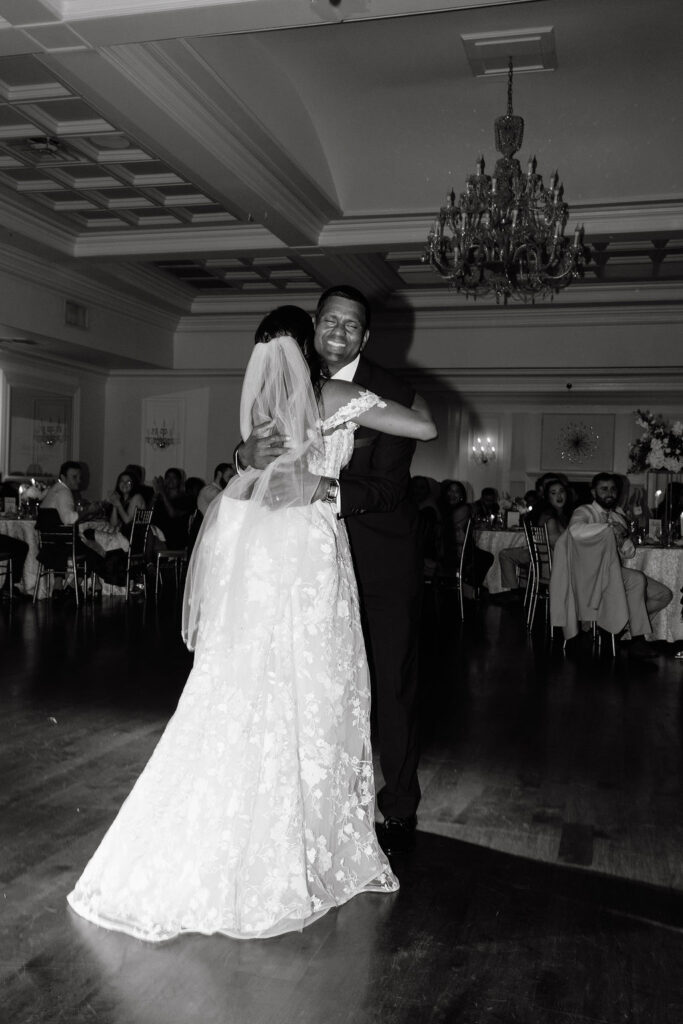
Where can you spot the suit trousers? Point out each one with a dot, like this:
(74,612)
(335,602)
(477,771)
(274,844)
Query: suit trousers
(391,629)
(644,597)
(509,560)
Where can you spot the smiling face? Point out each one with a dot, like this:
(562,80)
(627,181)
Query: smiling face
(340,332)
(124,485)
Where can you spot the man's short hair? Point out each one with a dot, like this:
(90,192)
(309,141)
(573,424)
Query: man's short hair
(600,478)
(345,291)
(221,468)
(66,466)
(174,471)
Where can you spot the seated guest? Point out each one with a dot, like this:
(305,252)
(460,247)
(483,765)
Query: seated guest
(58,508)
(125,500)
(486,505)
(138,474)
(16,550)
(455,515)
(63,495)
(194,486)
(172,508)
(553,510)
(644,596)
(223,472)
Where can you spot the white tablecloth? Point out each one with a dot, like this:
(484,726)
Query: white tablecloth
(666,566)
(494,541)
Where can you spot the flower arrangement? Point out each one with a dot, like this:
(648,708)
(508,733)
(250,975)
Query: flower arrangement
(659,447)
(509,504)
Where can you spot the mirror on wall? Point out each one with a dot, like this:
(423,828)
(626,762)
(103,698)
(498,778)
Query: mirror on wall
(40,432)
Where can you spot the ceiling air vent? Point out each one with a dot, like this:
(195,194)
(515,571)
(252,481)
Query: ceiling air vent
(75,315)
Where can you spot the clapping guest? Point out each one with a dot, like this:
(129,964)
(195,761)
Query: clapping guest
(125,499)
(222,474)
(172,508)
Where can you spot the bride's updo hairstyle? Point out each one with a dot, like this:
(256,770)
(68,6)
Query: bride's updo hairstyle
(296,323)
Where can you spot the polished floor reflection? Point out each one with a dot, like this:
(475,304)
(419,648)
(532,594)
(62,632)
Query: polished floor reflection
(545,885)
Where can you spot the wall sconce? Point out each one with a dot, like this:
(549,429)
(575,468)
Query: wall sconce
(161,437)
(483,451)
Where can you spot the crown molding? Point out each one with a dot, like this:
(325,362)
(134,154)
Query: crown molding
(381,232)
(146,280)
(227,239)
(37,224)
(583,380)
(215,323)
(38,360)
(581,304)
(645,219)
(70,282)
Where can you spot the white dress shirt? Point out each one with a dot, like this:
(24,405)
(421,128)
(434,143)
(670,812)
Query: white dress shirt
(345,373)
(61,498)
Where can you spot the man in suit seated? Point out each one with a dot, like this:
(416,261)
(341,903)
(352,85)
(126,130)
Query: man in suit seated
(644,596)
(58,508)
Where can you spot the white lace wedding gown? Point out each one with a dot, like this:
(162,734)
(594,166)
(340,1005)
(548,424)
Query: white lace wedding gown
(255,814)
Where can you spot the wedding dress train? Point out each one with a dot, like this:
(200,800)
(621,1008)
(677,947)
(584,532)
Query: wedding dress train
(255,813)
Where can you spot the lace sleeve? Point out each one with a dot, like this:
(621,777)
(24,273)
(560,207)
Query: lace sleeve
(356,407)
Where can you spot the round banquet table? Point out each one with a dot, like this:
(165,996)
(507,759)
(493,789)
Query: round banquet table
(666,566)
(494,541)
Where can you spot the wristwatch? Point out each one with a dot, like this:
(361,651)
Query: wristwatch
(332,491)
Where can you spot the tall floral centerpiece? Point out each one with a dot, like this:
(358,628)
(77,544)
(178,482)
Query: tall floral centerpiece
(658,450)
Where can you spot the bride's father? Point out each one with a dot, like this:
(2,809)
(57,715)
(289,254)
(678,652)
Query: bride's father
(373,499)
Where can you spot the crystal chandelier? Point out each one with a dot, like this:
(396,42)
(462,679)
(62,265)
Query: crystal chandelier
(505,234)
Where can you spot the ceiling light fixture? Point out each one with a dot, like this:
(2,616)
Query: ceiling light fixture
(505,234)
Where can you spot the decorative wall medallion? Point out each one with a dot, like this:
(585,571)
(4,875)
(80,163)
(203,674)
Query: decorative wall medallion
(577,443)
(582,442)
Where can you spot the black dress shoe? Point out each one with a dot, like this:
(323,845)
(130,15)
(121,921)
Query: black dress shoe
(640,648)
(396,835)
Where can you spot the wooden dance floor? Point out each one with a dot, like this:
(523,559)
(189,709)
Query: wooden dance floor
(545,887)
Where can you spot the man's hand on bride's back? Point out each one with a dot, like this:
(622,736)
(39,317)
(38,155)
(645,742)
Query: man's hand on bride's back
(260,448)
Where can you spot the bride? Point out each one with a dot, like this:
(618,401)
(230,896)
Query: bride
(255,814)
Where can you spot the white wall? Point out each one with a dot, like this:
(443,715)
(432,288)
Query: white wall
(87,391)
(211,421)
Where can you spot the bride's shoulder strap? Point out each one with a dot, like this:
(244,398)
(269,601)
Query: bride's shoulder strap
(348,401)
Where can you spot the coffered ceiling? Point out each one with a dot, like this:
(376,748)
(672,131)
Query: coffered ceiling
(217,158)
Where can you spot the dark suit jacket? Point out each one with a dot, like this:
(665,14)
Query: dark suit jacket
(380,516)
